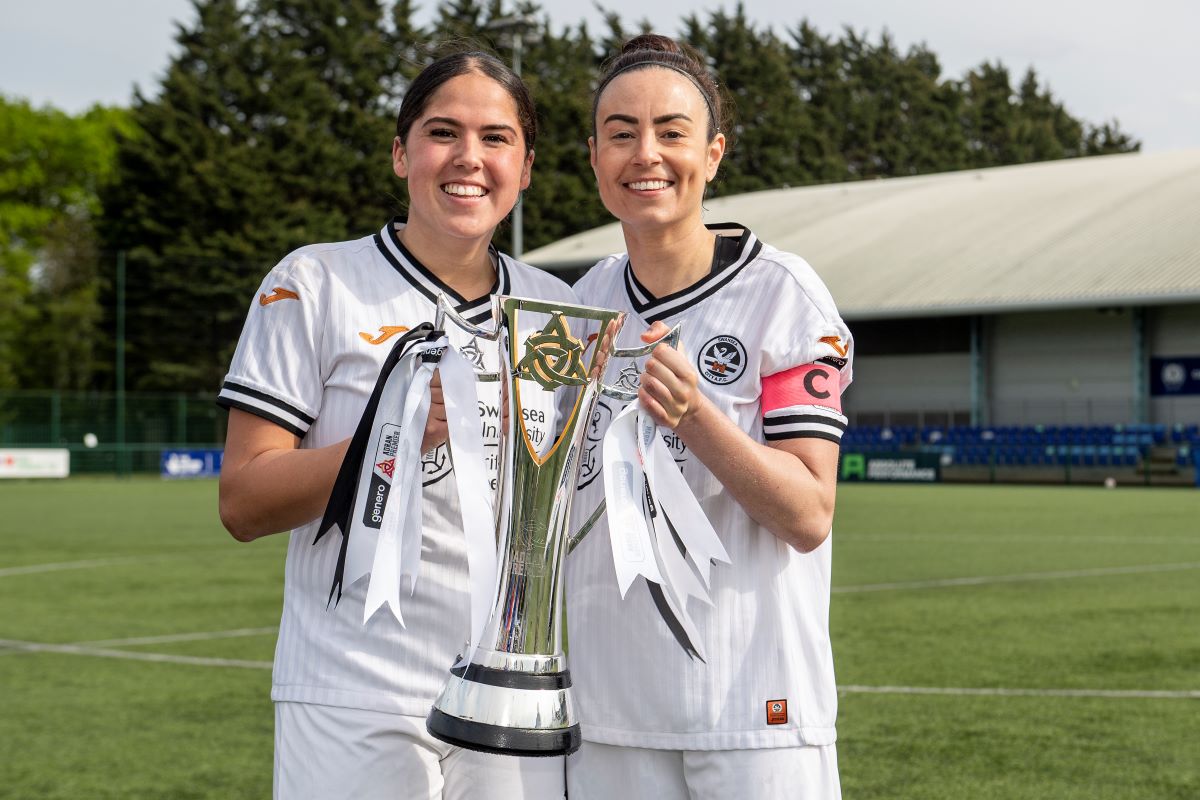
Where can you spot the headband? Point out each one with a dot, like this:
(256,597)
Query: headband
(640,64)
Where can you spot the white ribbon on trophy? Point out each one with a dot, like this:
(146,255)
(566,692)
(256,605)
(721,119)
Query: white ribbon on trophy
(654,519)
(377,499)
(624,488)
(388,556)
(474,500)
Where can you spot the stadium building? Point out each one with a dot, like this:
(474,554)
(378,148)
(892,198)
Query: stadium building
(1005,319)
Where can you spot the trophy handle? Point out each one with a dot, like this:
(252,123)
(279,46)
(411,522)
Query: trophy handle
(446,311)
(671,337)
(585,528)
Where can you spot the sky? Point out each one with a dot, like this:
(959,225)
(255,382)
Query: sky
(1136,62)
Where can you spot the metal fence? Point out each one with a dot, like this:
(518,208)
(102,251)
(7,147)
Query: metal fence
(129,431)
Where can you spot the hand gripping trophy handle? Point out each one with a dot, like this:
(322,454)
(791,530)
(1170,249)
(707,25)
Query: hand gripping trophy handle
(625,395)
(512,693)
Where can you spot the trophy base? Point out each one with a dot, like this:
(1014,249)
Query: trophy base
(501,740)
(512,710)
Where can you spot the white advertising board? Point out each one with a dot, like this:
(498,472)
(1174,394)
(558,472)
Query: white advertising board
(35,463)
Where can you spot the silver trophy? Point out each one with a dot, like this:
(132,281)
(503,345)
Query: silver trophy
(512,694)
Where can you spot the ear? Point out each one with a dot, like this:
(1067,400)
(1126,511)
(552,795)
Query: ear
(399,158)
(716,151)
(592,152)
(527,171)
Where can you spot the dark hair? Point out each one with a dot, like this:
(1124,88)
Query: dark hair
(656,50)
(423,87)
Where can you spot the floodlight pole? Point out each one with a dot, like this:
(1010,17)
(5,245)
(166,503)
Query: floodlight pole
(120,376)
(515,30)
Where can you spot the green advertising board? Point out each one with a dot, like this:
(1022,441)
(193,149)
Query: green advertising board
(891,467)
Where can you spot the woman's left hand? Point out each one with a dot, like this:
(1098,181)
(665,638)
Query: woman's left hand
(669,390)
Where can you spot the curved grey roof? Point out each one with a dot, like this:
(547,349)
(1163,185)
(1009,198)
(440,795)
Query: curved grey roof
(1108,230)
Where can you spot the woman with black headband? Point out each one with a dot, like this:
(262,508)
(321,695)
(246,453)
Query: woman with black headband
(749,405)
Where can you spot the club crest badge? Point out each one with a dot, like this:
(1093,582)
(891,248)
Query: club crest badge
(722,360)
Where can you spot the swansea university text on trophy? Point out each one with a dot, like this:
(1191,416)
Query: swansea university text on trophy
(511,693)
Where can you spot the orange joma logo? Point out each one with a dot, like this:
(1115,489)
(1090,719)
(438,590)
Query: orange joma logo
(836,343)
(279,293)
(385,332)
(777,712)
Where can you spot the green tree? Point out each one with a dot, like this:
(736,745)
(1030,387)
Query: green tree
(52,167)
(772,130)
(562,199)
(272,129)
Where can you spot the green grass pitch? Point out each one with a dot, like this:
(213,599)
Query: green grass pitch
(990,642)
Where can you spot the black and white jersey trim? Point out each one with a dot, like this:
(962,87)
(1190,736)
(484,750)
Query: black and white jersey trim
(802,423)
(430,285)
(730,255)
(261,404)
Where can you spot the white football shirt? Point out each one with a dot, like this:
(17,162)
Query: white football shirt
(773,354)
(314,341)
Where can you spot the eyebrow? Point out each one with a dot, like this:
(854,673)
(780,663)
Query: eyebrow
(451,121)
(634,120)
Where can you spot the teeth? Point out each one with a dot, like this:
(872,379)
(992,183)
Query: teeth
(462,190)
(644,186)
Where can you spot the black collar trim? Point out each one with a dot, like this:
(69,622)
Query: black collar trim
(731,253)
(429,284)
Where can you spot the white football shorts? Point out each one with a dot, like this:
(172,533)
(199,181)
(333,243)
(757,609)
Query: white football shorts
(330,753)
(604,772)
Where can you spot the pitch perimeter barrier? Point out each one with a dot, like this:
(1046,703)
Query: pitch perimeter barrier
(108,433)
(1149,454)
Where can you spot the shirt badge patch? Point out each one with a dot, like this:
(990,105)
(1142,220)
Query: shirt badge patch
(722,360)
(777,712)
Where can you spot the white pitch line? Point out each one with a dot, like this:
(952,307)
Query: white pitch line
(181,637)
(853,538)
(32,569)
(100,652)
(981,580)
(1138,694)
(70,649)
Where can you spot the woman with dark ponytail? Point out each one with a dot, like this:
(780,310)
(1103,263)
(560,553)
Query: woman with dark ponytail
(351,694)
(750,404)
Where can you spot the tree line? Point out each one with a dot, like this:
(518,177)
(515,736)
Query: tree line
(272,126)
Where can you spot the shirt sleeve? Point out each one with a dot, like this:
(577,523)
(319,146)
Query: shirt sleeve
(807,364)
(276,369)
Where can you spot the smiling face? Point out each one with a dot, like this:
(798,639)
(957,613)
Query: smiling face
(651,154)
(464,159)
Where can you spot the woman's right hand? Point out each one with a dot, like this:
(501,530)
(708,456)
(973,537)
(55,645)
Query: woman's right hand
(669,389)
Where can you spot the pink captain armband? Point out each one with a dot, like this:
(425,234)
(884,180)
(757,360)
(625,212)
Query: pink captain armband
(806,385)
